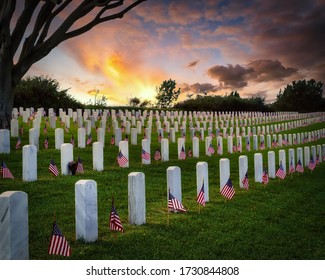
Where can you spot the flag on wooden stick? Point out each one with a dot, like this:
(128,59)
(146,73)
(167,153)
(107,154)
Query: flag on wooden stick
(228,190)
(53,168)
(115,223)
(280,173)
(175,204)
(201,197)
(299,167)
(245,181)
(58,243)
(5,172)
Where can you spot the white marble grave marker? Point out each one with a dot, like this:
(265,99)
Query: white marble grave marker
(243,168)
(14,226)
(258,167)
(98,156)
(136,198)
(29,163)
(224,171)
(271,164)
(59,139)
(86,210)
(174,183)
(202,176)
(66,157)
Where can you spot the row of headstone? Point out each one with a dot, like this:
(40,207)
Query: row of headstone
(14,204)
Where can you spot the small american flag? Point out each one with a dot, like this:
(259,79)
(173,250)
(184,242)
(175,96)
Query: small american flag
(45,130)
(265,177)
(311,164)
(219,148)
(299,167)
(245,181)
(211,149)
(228,190)
(159,137)
(80,168)
(113,140)
(89,140)
(262,145)
(189,152)
(145,155)
(58,244)
(114,220)
(121,159)
(5,172)
(291,167)
(157,155)
(280,173)
(66,129)
(53,168)
(182,154)
(174,204)
(21,130)
(200,198)
(18,144)
(46,143)
(248,146)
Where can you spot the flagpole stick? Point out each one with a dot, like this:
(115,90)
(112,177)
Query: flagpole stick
(167,216)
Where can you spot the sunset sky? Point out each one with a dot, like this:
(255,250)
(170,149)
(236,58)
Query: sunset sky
(254,47)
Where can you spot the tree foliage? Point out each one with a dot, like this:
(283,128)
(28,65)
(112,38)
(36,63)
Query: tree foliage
(167,93)
(232,102)
(43,92)
(301,96)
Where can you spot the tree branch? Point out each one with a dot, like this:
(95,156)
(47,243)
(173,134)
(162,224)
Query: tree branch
(22,24)
(98,19)
(50,19)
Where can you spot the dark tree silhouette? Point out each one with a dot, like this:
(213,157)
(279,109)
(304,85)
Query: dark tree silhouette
(20,47)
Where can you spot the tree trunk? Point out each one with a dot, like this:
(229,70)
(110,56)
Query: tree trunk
(6,91)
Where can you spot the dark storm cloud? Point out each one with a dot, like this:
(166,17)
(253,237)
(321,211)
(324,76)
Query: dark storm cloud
(269,70)
(230,76)
(199,88)
(262,70)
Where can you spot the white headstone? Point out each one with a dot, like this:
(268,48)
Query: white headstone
(202,176)
(34,137)
(86,210)
(14,131)
(208,142)
(291,158)
(174,183)
(230,145)
(220,146)
(282,159)
(98,156)
(243,168)
(136,198)
(124,148)
(4,141)
(66,157)
(181,147)
(118,136)
(81,137)
(300,155)
(29,163)
(164,150)
(271,164)
(146,159)
(196,147)
(134,136)
(224,171)
(59,138)
(258,167)
(101,136)
(14,241)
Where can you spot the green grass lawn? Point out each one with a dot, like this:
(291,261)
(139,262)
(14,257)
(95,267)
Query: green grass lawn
(282,220)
